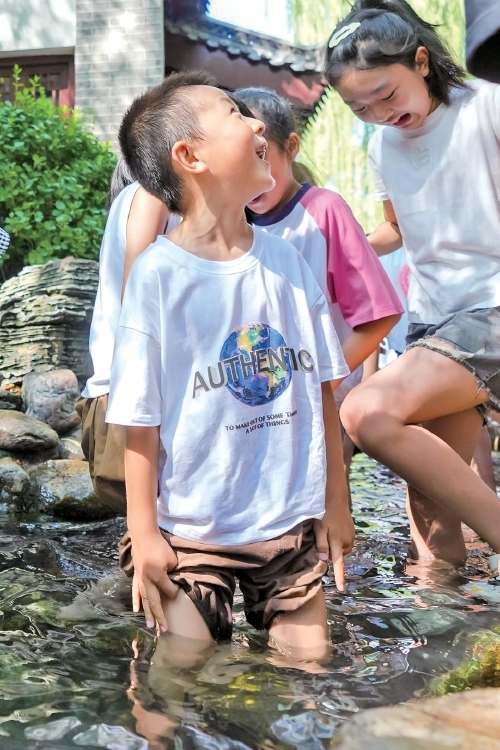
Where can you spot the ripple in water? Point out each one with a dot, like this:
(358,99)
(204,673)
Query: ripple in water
(85,680)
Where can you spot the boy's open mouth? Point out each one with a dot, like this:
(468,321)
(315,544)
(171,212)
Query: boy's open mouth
(403,120)
(262,151)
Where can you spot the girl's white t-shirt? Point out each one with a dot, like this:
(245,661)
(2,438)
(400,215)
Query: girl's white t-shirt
(443,180)
(228,358)
(109,291)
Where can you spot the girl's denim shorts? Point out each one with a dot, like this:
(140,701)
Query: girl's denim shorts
(475,334)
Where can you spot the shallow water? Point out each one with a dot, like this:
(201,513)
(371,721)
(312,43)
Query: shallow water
(67,684)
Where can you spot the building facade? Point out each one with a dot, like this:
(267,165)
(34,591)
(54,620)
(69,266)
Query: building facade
(98,55)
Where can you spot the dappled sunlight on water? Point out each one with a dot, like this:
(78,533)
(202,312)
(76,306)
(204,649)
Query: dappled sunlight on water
(67,683)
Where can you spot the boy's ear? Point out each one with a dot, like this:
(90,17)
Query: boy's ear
(292,146)
(185,157)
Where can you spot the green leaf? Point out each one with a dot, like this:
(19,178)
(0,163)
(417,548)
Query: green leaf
(55,176)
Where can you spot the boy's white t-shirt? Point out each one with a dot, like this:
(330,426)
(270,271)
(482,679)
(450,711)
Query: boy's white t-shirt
(444,182)
(109,291)
(228,358)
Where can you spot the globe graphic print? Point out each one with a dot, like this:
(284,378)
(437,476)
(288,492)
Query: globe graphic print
(250,343)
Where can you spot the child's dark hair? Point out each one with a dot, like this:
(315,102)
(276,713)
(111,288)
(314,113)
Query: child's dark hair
(122,176)
(389,32)
(276,113)
(154,122)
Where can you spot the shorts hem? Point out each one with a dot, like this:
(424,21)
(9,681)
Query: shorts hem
(456,355)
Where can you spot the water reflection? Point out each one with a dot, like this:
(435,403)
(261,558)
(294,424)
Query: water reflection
(68,683)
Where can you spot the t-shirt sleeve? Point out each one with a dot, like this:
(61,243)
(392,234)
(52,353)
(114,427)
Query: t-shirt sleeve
(135,396)
(356,279)
(331,362)
(374,151)
(493,94)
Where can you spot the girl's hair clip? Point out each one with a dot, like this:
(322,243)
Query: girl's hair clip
(343,33)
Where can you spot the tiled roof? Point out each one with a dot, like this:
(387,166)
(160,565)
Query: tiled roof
(237,41)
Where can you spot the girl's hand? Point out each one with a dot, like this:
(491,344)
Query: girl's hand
(153,558)
(335,538)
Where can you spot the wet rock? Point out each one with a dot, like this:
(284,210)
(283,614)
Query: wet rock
(103,735)
(64,488)
(10,398)
(50,397)
(45,314)
(21,433)
(53,730)
(14,481)
(416,623)
(29,460)
(304,729)
(462,721)
(71,448)
(75,433)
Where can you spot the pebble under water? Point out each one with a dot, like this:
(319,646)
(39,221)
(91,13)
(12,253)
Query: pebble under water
(87,682)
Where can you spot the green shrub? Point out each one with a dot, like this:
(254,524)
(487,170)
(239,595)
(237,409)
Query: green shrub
(55,177)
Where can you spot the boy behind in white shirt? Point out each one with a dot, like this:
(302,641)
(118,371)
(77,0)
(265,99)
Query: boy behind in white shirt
(223,373)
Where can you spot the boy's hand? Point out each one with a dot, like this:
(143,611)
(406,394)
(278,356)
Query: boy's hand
(334,539)
(153,558)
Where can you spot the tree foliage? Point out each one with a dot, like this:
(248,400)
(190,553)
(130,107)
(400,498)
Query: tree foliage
(55,177)
(335,144)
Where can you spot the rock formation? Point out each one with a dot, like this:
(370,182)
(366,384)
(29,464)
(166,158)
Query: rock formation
(45,314)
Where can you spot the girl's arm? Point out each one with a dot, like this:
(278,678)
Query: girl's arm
(386,238)
(365,338)
(152,555)
(147,219)
(335,531)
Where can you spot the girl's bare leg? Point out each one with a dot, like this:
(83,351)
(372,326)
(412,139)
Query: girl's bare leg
(481,461)
(383,416)
(437,532)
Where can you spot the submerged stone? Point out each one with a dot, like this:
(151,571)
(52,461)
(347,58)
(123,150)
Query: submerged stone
(480,668)
(103,735)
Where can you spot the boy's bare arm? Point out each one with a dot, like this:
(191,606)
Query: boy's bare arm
(335,531)
(152,555)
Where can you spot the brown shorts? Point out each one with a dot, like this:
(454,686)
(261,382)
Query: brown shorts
(276,576)
(103,446)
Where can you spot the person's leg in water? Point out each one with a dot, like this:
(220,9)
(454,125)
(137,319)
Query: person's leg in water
(436,531)
(302,635)
(384,415)
(481,461)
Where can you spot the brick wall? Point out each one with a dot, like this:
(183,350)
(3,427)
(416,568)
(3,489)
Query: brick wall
(119,54)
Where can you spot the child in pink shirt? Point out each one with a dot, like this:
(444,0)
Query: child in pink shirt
(320,224)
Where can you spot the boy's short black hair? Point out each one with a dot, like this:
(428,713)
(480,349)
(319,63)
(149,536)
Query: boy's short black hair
(154,122)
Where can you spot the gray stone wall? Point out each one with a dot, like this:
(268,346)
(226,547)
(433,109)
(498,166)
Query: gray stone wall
(119,54)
